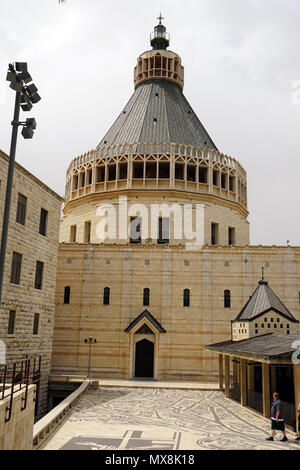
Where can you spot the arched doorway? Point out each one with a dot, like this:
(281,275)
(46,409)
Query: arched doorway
(144,358)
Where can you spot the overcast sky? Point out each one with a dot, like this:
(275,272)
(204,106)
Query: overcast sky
(241,59)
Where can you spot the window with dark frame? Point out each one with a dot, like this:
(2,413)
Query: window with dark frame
(106,295)
(146,296)
(11,322)
(16,264)
(67,294)
(43,222)
(36,321)
(227,299)
(39,270)
(21,209)
(186,298)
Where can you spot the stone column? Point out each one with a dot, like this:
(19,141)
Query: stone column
(221,374)
(243,382)
(266,389)
(227,376)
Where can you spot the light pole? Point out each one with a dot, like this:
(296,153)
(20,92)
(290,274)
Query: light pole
(90,340)
(26,95)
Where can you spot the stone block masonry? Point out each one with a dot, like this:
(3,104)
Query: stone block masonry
(23,298)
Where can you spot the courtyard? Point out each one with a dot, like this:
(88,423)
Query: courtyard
(166,419)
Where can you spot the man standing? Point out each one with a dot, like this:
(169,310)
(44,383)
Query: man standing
(277,419)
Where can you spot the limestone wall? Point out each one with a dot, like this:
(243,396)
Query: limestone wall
(217,211)
(24,298)
(16,434)
(166,271)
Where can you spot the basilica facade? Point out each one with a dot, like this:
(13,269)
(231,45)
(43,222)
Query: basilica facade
(155,259)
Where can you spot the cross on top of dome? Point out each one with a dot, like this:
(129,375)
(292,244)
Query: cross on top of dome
(160,17)
(160,39)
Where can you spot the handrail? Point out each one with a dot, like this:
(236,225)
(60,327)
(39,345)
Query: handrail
(45,426)
(18,376)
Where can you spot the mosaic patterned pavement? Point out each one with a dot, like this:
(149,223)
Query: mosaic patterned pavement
(126,418)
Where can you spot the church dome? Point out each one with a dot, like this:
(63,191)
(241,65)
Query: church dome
(158,151)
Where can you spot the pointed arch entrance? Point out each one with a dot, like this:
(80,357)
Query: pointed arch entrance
(144,358)
(144,346)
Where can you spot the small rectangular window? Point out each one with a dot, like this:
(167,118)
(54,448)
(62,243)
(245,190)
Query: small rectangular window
(163,230)
(214,234)
(36,323)
(87,232)
(16,264)
(73,229)
(135,230)
(21,209)
(11,322)
(231,236)
(38,283)
(43,222)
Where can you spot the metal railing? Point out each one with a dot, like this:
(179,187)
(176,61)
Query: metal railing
(18,376)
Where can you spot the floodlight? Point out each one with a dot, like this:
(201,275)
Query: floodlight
(35,98)
(27,131)
(31,122)
(21,66)
(25,76)
(31,89)
(26,106)
(17,86)
(11,76)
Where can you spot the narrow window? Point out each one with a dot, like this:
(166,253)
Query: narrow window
(112,172)
(191,173)
(38,283)
(123,171)
(202,174)
(36,323)
(227,300)
(186,298)
(163,230)
(231,183)
(11,322)
(16,264)
(138,170)
(151,170)
(231,236)
(43,222)
(100,174)
(179,171)
(87,232)
(106,295)
(215,178)
(146,296)
(135,230)
(67,293)
(21,209)
(223,180)
(214,234)
(164,170)
(73,233)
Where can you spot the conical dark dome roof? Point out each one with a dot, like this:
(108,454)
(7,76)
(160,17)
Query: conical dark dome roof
(158,112)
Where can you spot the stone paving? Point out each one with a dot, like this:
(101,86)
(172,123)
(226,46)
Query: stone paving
(165,419)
